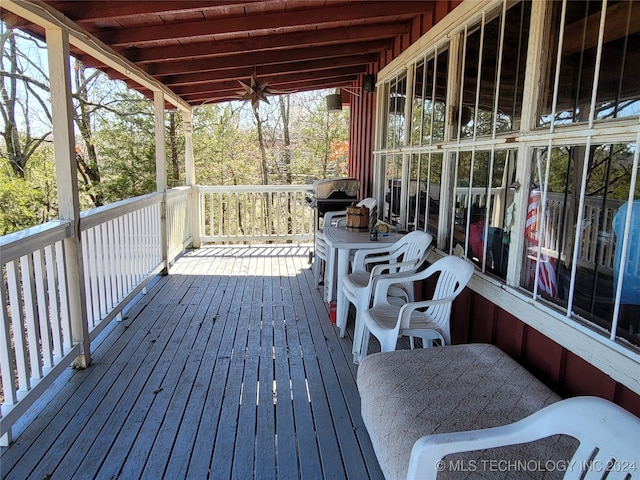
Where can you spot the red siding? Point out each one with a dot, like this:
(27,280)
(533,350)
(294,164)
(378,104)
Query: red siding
(510,334)
(544,357)
(363,107)
(361,134)
(629,400)
(476,319)
(582,378)
(461,310)
(482,330)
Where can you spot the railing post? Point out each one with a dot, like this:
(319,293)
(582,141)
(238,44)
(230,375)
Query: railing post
(67,180)
(161,174)
(190,179)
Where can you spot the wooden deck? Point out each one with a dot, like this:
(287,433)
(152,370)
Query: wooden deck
(226,368)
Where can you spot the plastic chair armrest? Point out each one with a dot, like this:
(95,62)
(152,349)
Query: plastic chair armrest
(331,217)
(428,451)
(381,284)
(408,308)
(392,268)
(370,255)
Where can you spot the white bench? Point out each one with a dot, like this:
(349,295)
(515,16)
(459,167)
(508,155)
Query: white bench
(407,394)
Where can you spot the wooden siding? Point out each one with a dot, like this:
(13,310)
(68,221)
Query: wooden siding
(226,368)
(363,106)
(361,131)
(476,319)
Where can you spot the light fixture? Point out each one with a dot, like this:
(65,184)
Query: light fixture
(334,102)
(369,83)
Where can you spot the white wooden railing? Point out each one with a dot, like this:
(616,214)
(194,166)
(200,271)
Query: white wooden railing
(120,248)
(597,245)
(36,335)
(255,213)
(179,234)
(121,251)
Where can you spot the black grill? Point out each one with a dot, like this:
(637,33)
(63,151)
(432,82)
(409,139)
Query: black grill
(333,194)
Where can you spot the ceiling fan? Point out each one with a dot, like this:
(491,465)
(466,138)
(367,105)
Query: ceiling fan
(256,91)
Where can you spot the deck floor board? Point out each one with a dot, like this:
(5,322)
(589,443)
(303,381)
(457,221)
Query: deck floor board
(227,368)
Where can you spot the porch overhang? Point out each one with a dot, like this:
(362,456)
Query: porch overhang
(197,52)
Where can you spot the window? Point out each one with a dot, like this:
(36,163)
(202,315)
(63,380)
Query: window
(392,187)
(484,208)
(531,174)
(577,25)
(430,92)
(424,192)
(573,245)
(494,55)
(395,118)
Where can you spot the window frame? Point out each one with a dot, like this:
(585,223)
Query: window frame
(525,139)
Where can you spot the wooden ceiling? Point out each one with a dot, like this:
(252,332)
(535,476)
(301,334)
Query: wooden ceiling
(202,49)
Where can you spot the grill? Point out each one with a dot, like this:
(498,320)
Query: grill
(333,194)
(330,195)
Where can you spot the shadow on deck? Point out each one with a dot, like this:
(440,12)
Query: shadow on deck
(226,368)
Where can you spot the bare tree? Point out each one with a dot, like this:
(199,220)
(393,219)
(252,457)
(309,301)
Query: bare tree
(285,108)
(17,91)
(173,145)
(88,158)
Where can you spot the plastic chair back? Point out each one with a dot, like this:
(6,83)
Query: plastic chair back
(453,275)
(609,439)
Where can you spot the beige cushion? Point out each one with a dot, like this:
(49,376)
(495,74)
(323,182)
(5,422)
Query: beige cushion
(407,394)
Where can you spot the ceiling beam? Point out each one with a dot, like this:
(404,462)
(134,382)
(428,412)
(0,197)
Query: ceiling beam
(373,11)
(244,73)
(261,43)
(200,99)
(361,61)
(274,81)
(93,10)
(275,57)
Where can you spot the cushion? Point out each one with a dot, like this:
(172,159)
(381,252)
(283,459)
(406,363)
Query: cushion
(407,394)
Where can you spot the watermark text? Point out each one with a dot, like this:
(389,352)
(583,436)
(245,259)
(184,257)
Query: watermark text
(497,465)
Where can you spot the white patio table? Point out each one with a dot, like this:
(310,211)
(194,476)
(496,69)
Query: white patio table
(341,242)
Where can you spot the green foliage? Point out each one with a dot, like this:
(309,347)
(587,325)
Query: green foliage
(225,148)
(175,149)
(125,141)
(323,137)
(19,201)
(115,148)
(41,177)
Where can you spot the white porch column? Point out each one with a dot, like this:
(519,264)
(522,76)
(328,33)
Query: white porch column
(161,173)
(190,178)
(67,180)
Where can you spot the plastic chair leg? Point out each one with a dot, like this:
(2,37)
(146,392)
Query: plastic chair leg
(342,312)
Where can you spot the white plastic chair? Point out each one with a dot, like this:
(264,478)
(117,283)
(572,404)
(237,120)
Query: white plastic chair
(320,249)
(608,435)
(406,255)
(386,321)
(320,245)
